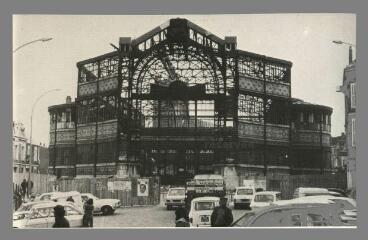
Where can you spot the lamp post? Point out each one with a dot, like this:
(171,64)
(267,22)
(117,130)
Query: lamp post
(37,40)
(30,136)
(339,42)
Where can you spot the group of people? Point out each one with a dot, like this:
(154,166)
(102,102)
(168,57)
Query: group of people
(26,187)
(62,222)
(221,216)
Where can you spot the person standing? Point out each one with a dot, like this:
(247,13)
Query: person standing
(60,220)
(24,186)
(88,213)
(221,215)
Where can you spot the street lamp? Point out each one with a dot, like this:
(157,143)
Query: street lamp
(341,42)
(37,40)
(350,48)
(30,135)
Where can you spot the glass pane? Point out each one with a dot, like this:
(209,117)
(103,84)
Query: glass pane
(204,206)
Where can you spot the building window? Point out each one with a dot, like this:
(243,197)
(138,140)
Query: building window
(301,117)
(15,169)
(352,95)
(311,118)
(353,132)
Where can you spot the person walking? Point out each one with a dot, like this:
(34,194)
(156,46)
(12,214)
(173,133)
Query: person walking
(181,217)
(24,186)
(88,213)
(60,220)
(221,215)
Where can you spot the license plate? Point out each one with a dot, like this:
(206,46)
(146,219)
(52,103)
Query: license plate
(205,218)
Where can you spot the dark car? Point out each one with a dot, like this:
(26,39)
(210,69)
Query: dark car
(295,215)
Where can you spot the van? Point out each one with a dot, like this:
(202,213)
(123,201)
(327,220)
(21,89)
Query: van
(243,197)
(304,192)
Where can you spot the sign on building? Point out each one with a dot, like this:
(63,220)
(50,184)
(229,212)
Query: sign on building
(142,187)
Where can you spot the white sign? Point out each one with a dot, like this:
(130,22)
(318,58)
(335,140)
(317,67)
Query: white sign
(122,185)
(142,187)
(110,186)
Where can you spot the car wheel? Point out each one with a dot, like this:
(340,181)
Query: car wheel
(106,210)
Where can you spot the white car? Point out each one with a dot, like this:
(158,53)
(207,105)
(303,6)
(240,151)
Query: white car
(201,209)
(243,197)
(265,198)
(175,198)
(310,191)
(102,205)
(61,197)
(41,215)
(347,205)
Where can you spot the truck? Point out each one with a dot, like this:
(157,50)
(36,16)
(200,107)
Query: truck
(204,185)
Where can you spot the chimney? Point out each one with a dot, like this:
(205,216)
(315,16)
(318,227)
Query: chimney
(350,55)
(68,99)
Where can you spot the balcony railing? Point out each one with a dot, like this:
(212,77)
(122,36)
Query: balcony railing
(65,125)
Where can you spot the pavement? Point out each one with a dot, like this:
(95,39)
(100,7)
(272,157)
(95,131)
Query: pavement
(146,216)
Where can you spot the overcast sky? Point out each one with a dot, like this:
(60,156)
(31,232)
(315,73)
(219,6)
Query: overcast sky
(303,39)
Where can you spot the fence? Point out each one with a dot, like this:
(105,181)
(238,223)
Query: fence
(286,184)
(40,181)
(124,189)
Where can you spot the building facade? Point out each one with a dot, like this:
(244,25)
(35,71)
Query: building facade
(348,88)
(179,101)
(339,152)
(22,152)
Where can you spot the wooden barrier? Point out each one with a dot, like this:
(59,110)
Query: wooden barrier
(124,189)
(40,181)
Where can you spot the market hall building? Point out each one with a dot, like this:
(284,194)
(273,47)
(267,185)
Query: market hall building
(179,101)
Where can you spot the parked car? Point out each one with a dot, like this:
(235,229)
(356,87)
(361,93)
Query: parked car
(339,191)
(201,209)
(102,205)
(243,197)
(41,215)
(304,192)
(265,198)
(175,198)
(347,205)
(25,208)
(62,197)
(295,215)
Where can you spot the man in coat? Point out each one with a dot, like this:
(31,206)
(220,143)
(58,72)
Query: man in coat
(221,215)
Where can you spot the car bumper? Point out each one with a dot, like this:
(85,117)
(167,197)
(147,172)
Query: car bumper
(175,204)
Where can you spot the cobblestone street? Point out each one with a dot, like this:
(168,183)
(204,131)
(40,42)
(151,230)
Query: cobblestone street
(149,216)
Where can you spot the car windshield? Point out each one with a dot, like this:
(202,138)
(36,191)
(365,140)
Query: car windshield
(199,206)
(175,192)
(245,191)
(264,198)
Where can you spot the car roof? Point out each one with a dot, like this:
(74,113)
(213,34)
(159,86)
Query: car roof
(43,204)
(198,199)
(312,189)
(275,207)
(267,192)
